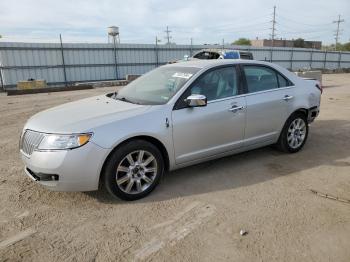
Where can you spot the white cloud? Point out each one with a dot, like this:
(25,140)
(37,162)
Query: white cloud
(140,21)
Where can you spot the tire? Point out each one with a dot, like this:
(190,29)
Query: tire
(294,134)
(128,176)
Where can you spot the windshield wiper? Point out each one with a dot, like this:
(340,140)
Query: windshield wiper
(125,100)
(114,95)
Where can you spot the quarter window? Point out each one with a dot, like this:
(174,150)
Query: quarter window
(282,81)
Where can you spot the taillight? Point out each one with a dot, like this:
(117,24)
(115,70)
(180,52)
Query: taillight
(319,86)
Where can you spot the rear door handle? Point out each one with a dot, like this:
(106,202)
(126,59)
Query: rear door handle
(235,108)
(287,97)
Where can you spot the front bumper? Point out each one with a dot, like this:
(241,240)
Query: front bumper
(67,170)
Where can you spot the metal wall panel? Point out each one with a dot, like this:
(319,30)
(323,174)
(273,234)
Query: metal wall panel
(264,55)
(304,56)
(300,65)
(318,55)
(95,62)
(283,64)
(318,65)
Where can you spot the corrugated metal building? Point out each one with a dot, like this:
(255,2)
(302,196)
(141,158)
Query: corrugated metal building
(96,62)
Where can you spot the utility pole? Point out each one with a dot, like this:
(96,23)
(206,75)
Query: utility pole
(191,49)
(157,56)
(337,32)
(273,33)
(168,37)
(115,58)
(63,63)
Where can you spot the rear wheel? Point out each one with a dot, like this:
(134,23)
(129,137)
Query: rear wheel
(133,170)
(294,133)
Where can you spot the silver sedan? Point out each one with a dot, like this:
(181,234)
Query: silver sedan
(174,116)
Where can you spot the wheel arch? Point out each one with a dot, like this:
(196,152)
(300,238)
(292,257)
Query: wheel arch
(299,110)
(280,143)
(302,110)
(156,142)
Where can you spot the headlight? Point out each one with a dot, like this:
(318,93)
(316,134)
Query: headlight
(57,142)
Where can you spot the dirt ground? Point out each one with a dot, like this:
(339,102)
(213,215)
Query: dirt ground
(196,213)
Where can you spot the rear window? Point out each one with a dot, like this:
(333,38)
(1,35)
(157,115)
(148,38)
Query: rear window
(261,78)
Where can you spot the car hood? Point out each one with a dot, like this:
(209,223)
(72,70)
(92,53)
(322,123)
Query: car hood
(83,115)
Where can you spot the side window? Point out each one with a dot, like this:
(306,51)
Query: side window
(260,78)
(282,81)
(216,84)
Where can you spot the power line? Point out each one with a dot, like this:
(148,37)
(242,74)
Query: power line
(300,23)
(297,28)
(244,28)
(308,32)
(337,31)
(168,37)
(291,30)
(240,23)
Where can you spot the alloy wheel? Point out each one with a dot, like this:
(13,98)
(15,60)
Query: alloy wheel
(136,172)
(296,133)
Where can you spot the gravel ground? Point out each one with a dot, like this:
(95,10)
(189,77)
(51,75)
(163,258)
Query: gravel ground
(196,213)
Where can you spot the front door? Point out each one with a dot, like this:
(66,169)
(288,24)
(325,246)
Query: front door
(202,132)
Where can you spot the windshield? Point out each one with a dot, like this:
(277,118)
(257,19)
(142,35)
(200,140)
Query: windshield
(157,86)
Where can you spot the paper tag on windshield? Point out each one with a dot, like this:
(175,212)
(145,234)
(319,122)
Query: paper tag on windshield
(182,75)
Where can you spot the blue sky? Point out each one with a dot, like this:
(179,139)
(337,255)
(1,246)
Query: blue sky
(142,21)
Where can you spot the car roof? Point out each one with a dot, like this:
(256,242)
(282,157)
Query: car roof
(216,62)
(223,50)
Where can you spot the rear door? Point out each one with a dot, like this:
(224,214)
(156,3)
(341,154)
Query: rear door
(269,97)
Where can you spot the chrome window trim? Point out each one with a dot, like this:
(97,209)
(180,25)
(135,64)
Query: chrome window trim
(249,94)
(244,94)
(270,90)
(225,98)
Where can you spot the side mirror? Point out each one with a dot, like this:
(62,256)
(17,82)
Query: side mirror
(196,100)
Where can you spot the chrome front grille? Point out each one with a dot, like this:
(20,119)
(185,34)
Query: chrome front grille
(30,141)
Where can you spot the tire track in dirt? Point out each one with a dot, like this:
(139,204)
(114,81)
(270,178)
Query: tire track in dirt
(175,229)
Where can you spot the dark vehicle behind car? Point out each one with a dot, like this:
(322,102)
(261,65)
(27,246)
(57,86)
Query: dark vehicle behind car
(223,54)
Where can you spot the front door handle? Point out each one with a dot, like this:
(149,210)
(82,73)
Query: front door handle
(235,108)
(287,97)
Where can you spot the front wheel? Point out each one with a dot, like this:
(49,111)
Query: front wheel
(133,170)
(294,133)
